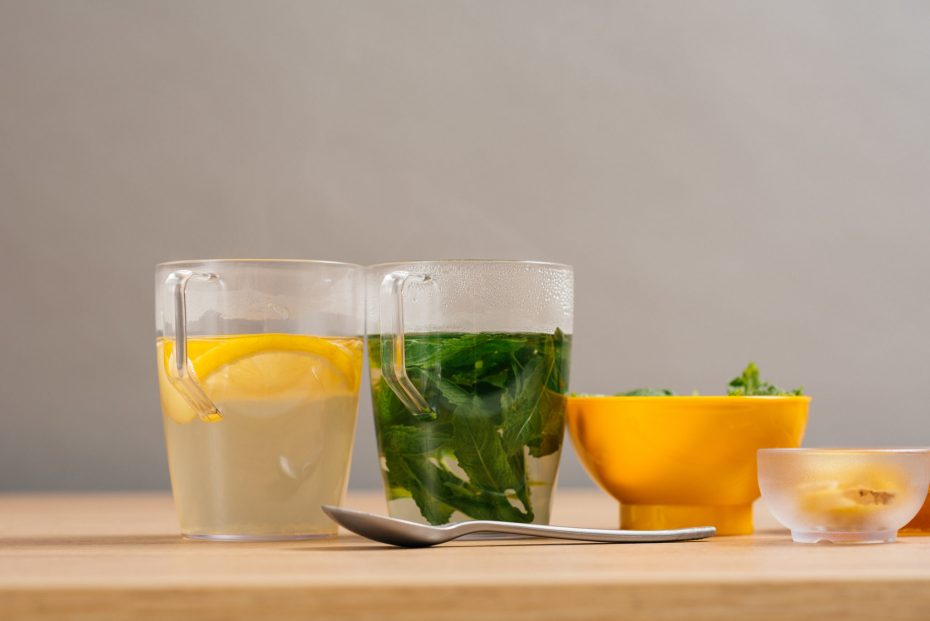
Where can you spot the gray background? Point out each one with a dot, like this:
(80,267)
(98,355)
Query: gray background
(732,181)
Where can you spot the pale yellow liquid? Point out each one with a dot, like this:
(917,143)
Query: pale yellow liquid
(283,445)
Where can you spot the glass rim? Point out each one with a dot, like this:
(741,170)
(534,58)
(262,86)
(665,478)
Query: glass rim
(473,261)
(260,261)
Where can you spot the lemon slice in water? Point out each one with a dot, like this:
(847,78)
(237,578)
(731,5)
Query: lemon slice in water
(250,369)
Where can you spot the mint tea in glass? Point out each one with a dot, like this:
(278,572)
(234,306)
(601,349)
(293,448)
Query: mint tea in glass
(469,367)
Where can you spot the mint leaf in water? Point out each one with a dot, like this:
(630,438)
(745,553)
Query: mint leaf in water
(479,450)
(499,404)
(406,451)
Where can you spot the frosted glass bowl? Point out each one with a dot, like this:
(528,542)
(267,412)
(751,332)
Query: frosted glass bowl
(844,495)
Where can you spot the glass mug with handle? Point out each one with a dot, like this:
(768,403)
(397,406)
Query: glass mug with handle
(259,365)
(469,366)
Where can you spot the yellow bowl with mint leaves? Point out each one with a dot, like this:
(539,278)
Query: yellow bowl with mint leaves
(680,461)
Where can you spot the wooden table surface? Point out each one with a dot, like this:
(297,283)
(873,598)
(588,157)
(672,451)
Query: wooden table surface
(120,557)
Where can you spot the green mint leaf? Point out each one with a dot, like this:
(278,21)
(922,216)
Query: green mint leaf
(522,420)
(647,392)
(479,450)
(749,383)
(498,400)
(408,466)
(480,504)
(552,409)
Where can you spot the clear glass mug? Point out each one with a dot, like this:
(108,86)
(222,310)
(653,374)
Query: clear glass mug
(259,364)
(469,366)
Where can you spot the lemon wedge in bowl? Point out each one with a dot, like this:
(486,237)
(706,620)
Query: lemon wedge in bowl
(844,495)
(238,372)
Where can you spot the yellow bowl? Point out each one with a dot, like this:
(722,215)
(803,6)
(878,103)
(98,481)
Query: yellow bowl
(674,462)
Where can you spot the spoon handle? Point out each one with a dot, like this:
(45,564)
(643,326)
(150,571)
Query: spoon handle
(584,534)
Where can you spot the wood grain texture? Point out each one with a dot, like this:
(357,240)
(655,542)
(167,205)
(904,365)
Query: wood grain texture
(119,557)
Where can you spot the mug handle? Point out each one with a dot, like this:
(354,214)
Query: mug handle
(181,374)
(393,356)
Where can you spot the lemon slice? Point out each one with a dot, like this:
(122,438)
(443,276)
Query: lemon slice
(230,350)
(850,500)
(270,367)
(173,402)
(276,367)
(175,406)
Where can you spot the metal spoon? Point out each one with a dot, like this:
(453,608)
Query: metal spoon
(412,535)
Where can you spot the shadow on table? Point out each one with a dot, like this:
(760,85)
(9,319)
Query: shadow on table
(365,547)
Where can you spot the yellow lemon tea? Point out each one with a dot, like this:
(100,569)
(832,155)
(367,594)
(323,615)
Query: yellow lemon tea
(283,441)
